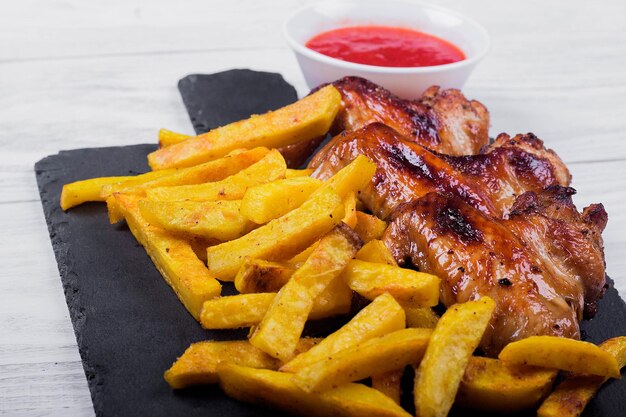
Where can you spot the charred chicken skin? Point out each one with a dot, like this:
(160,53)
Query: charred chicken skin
(541,268)
(489,182)
(500,223)
(441,120)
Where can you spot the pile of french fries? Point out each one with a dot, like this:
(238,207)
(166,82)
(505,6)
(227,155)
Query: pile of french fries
(224,207)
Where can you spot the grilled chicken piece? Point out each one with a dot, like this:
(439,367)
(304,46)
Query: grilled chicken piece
(569,244)
(540,266)
(441,120)
(489,182)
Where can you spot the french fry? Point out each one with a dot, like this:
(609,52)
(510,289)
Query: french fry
(275,389)
(335,300)
(114,210)
(369,227)
(270,168)
(200,245)
(271,200)
(280,238)
(235,311)
(257,275)
(80,192)
(198,364)
(349,203)
(293,173)
(376,251)
(376,356)
(418,317)
(452,343)
(210,219)
(263,276)
(247,310)
(173,257)
(412,288)
(572,395)
(561,353)
(389,384)
(280,329)
(297,260)
(491,385)
(352,178)
(305,119)
(211,171)
(169,138)
(383,315)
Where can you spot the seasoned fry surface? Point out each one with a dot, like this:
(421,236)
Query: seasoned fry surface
(452,343)
(304,120)
(279,238)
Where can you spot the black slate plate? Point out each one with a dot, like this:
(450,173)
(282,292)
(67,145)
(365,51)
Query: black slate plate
(129,325)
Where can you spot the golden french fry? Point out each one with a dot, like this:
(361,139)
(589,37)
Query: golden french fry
(412,288)
(173,257)
(280,238)
(169,138)
(293,173)
(271,388)
(389,384)
(418,317)
(246,310)
(280,329)
(80,192)
(270,168)
(303,120)
(114,211)
(256,275)
(209,172)
(383,315)
(336,299)
(369,227)
(376,356)
(452,343)
(200,245)
(297,260)
(572,395)
(210,219)
(198,365)
(350,208)
(376,251)
(271,200)
(263,276)
(561,353)
(352,178)
(235,311)
(492,385)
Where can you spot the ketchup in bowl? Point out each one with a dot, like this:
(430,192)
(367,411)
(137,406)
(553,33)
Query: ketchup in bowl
(385,46)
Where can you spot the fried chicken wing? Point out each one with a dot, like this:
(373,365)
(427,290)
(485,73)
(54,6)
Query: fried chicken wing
(489,182)
(540,266)
(441,120)
(501,223)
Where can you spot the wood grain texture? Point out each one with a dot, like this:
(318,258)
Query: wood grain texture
(102,73)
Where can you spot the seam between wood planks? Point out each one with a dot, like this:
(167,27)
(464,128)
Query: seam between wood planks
(137,54)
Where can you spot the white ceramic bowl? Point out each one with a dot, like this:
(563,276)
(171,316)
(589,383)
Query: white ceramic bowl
(311,20)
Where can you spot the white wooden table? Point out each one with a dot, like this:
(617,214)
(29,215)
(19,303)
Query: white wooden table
(86,74)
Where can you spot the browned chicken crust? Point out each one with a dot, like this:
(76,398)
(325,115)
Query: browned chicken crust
(441,120)
(501,223)
(542,266)
(489,182)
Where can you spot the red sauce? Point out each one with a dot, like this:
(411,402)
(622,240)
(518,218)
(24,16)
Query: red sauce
(385,46)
